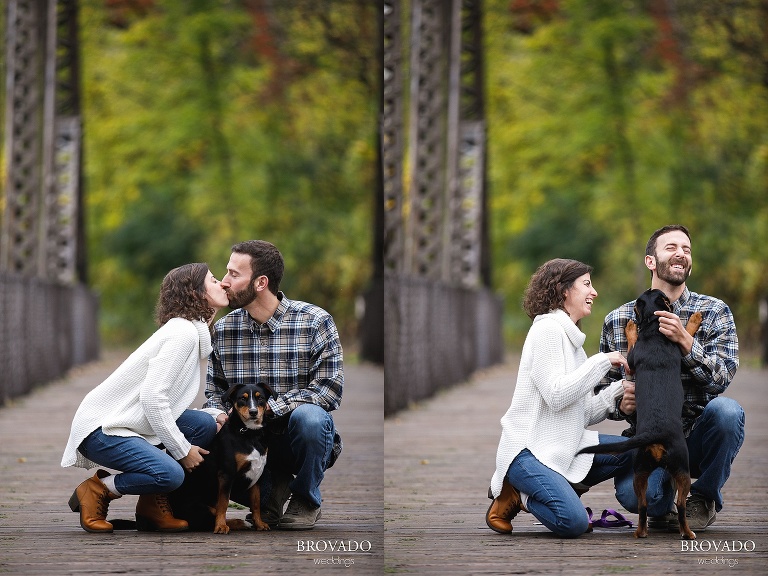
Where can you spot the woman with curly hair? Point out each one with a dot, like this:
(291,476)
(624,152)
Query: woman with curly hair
(553,402)
(142,407)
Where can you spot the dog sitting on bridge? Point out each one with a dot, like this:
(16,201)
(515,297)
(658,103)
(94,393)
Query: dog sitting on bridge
(238,451)
(655,361)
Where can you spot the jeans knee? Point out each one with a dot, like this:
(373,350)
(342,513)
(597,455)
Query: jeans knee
(170,479)
(726,414)
(309,420)
(572,527)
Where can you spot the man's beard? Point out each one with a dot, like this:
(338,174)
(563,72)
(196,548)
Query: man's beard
(242,298)
(665,272)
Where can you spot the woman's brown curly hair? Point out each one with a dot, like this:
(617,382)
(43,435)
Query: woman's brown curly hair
(182,295)
(546,290)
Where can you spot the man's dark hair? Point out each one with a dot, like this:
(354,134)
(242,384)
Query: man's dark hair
(650,248)
(266,260)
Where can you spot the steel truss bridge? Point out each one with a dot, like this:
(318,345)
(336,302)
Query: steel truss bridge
(48,318)
(441,321)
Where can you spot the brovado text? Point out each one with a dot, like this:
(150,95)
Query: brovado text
(717,546)
(363,546)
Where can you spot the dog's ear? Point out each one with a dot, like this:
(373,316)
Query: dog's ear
(639,306)
(268,389)
(663,302)
(231,391)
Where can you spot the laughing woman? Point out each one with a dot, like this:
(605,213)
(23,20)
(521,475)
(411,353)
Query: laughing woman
(142,407)
(552,404)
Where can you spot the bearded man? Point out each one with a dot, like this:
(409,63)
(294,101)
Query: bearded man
(294,347)
(713,425)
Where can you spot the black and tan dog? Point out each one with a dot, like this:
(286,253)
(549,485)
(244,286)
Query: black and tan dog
(238,452)
(655,360)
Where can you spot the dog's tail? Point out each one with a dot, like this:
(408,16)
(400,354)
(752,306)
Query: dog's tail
(619,447)
(120,524)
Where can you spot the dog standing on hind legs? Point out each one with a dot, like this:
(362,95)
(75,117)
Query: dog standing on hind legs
(655,361)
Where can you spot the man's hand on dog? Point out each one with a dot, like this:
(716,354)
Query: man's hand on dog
(193,459)
(672,327)
(627,404)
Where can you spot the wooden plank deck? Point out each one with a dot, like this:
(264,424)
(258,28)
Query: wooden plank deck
(40,535)
(439,457)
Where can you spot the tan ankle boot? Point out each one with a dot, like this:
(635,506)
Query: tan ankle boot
(154,514)
(92,500)
(503,509)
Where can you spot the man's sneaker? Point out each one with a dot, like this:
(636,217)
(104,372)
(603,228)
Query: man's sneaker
(300,515)
(668,522)
(278,496)
(699,512)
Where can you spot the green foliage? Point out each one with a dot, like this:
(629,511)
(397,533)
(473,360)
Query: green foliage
(604,127)
(211,122)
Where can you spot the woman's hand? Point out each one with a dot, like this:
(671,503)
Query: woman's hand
(194,458)
(220,419)
(617,359)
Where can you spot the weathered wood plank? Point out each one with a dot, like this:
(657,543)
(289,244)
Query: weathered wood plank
(40,535)
(439,457)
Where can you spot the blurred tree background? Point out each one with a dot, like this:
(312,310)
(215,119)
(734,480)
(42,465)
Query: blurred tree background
(610,118)
(208,122)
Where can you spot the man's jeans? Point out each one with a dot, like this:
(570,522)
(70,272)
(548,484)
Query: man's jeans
(147,469)
(712,445)
(552,499)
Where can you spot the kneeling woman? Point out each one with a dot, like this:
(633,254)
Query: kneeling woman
(142,407)
(553,402)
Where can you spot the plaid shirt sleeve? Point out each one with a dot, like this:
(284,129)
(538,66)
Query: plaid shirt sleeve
(714,356)
(326,373)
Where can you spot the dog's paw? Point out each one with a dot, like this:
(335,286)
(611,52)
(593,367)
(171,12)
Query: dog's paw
(221,529)
(693,323)
(630,331)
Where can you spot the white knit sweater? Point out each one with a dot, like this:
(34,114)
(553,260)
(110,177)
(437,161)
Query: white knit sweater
(553,402)
(147,393)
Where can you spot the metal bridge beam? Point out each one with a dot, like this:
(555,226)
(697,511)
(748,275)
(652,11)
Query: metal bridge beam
(434,154)
(42,232)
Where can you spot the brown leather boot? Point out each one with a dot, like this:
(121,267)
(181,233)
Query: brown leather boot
(154,514)
(92,500)
(503,509)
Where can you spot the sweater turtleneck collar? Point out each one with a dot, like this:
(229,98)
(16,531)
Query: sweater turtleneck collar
(576,336)
(204,332)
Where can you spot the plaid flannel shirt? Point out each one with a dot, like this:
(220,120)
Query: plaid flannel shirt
(706,372)
(297,352)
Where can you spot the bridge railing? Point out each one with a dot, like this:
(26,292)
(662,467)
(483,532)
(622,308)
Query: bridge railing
(435,335)
(45,329)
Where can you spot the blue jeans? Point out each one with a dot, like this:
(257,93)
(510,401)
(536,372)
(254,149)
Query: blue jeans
(304,449)
(712,446)
(147,469)
(552,499)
